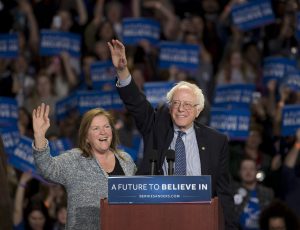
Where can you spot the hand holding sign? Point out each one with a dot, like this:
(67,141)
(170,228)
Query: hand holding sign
(118,56)
(41,123)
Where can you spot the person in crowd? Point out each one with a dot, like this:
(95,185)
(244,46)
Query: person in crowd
(24,122)
(163,11)
(63,71)
(250,148)
(45,93)
(83,171)
(56,195)
(280,38)
(5,201)
(291,176)
(207,149)
(250,197)
(26,25)
(278,216)
(61,216)
(35,214)
(234,69)
(23,83)
(6,78)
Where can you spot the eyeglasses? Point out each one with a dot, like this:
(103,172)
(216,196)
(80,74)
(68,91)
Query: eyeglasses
(186,105)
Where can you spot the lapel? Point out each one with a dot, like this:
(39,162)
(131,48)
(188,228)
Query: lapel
(167,142)
(205,156)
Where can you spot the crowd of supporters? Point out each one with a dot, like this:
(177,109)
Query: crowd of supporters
(265,166)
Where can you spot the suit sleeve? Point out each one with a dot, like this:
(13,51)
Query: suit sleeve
(138,106)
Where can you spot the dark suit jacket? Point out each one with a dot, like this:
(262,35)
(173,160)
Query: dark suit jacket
(157,129)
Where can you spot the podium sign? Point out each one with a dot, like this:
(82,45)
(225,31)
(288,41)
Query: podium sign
(159,189)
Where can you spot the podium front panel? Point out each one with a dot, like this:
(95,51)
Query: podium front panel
(175,216)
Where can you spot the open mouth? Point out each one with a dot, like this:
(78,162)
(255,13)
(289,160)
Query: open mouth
(103,139)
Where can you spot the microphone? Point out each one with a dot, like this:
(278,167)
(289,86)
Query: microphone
(153,159)
(170,155)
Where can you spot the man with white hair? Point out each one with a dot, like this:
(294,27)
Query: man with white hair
(173,126)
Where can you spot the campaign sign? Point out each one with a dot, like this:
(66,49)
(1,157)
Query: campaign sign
(93,99)
(54,42)
(97,99)
(10,137)
(60,145)
(159,189)
(234,95)
(8,112)
(156,92)
(292,80)
(182,56)
(276,68)
(66,105)
(103,75)
(117,103)
(22,157)
(252,14)
(233,122)
(290,120)
(9,45)
(137,29)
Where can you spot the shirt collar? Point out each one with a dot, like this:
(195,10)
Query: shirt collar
(188,131)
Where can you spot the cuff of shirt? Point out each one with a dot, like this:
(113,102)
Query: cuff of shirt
(41,149)
(123,83)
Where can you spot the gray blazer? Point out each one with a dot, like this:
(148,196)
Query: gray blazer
(85,182)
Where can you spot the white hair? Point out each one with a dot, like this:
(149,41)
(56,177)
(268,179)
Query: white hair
(195,89)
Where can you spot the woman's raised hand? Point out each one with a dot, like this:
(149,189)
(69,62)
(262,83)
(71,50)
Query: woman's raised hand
(41,123)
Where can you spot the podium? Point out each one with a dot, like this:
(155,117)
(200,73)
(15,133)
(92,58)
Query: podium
(175,216)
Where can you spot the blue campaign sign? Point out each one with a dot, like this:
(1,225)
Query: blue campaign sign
(137,29)
(8,112)
(252,14)
(183,56)
(103,75)
(159,189)
(82,101)
(22,157)
(156,92)
(234,95)
(233,122)
(60,145)
(292,80)
(290,120)
(9,45)
(94,99)
(10,137)
(275,68)
(54,42)
(117,103)
(66,105)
